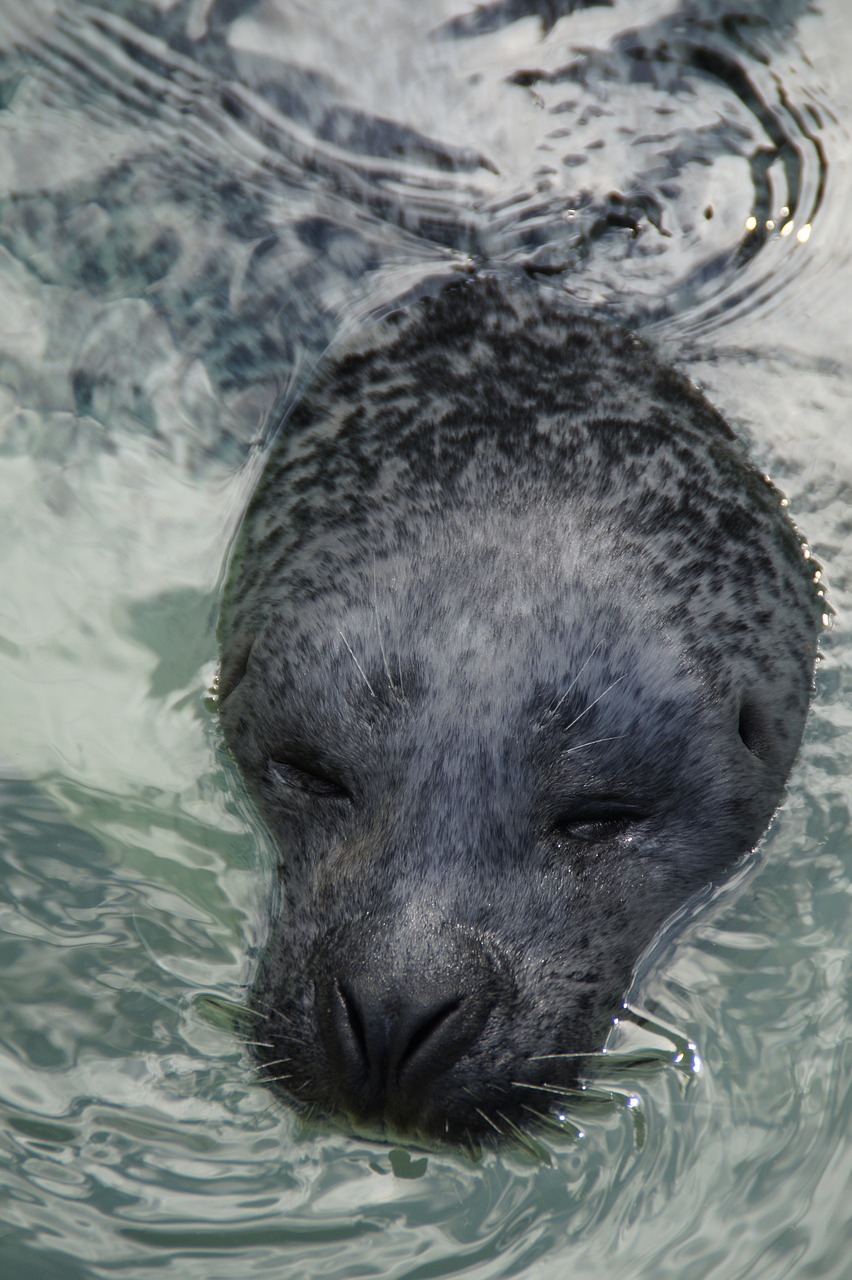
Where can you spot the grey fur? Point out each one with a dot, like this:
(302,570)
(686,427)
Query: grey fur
(516,655)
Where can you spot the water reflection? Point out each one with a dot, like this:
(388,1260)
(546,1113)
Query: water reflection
(194,200)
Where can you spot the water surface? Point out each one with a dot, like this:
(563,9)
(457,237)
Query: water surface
(195,199)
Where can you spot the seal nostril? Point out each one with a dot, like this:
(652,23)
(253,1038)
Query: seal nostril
(354,1023)
(425,1036)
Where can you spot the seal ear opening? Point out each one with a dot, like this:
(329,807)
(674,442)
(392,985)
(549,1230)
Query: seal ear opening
(232,669)
(752,730)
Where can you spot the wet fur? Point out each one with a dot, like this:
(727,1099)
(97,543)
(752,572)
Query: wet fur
(503,568)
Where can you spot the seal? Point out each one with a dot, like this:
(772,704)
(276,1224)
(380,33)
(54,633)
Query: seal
(517,650)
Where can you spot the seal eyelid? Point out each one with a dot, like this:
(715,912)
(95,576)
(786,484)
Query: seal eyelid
(306,778)
(599,820)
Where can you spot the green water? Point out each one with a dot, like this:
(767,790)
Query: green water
(169,269)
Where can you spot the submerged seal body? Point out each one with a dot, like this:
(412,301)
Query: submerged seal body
(516,656)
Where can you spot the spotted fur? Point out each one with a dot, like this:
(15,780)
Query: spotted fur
(516,655)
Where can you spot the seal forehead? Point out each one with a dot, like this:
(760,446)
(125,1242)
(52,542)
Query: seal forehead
(501,407)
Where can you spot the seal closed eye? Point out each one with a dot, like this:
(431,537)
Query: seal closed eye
(516,655)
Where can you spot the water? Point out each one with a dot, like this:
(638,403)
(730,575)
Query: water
(194,199)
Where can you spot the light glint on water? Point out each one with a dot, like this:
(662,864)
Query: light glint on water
(190,209)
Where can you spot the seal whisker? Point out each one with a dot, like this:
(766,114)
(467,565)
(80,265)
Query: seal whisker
(274,1015)
(483,1115)
(593,742)
(526,1140)
(230,1006)
(265,1012)
(260,1004)
(543,1117)
(379,631)
(556,1090)
(594,702)
(361,670)
(561,1057)
(554,709)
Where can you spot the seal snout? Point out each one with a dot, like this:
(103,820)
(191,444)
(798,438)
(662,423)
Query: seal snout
(397,1012)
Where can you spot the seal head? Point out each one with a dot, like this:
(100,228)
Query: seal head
(516,655)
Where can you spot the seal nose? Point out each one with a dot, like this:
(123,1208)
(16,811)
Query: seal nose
(395,1017)
(388,1040)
